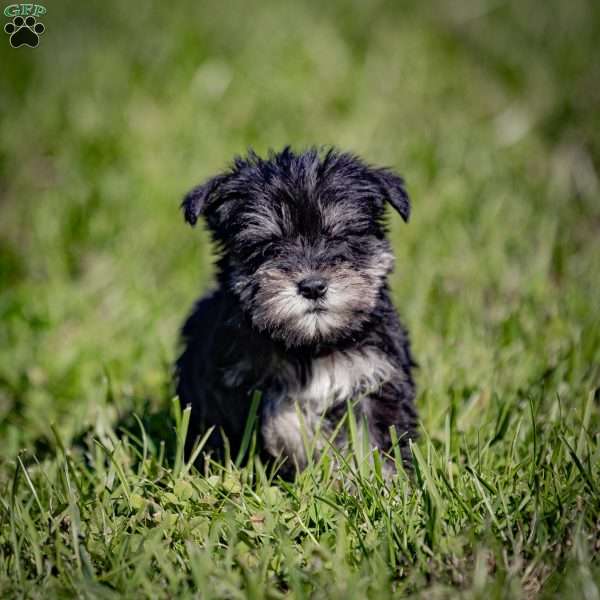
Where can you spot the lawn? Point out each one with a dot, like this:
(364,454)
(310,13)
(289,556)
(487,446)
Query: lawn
(490,111)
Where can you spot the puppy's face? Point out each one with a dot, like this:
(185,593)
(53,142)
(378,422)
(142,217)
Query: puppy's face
(302,240)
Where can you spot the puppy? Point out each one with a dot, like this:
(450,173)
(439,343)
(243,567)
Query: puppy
(302,311)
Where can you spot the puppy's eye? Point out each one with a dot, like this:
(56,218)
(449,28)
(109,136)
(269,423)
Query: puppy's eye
(265,249)
(347,240)
(260,247)
(255,255)
(338,250)
(338,239)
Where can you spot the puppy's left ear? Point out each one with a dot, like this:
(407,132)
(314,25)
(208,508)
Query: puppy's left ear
(394,191)
(196,200)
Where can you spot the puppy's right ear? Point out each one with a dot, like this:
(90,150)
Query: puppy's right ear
(198,199)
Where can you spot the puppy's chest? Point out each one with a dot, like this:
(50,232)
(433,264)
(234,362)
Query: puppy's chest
(329,380)
(304,399)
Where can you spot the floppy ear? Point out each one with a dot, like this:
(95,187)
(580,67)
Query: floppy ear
(196,200)
(393,189)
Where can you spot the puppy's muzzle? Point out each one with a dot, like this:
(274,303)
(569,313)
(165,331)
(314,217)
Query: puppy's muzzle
(313,287)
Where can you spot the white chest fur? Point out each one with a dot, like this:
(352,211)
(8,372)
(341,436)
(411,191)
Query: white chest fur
(293,416)
(340,376)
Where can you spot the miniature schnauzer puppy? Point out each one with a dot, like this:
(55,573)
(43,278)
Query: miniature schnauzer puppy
(302,311)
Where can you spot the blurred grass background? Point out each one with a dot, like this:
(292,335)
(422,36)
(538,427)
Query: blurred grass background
(488,108)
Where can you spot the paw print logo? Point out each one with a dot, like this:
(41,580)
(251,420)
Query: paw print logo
(24,32)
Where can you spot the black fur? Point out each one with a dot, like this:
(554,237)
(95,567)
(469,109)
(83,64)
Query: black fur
(276,221)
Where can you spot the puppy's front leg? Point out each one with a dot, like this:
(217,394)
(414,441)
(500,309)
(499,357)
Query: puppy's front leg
(284,430)
(391,407)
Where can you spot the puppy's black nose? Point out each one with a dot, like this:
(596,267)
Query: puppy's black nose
(312,287)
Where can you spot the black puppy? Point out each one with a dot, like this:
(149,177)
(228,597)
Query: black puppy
(302,311)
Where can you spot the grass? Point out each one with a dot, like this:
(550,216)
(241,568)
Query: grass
(490,112)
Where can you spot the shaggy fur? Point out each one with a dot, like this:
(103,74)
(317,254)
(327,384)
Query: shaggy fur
(302,311)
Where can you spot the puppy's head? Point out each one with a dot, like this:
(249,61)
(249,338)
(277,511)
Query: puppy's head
(302,240)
